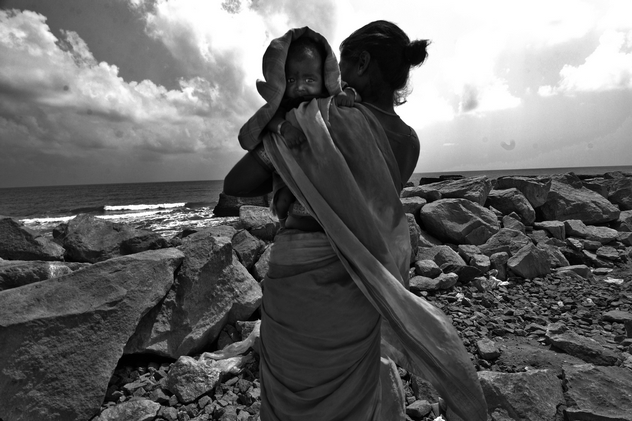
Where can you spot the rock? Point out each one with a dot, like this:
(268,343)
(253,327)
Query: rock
(512,223)
(53,332)
(468,251)
(569,199)
(229,205)
(15,273)
(260,269)
(412,204)
(247,247)
(555,228)
(481,262)
(259,221)
(90,239)
(598,393)
(459,221)
(577,228)
(512,200)
(190,378)
(582,347)
(620,193)
(474,189)
(414,232)
(440,255)
(505,240)
(554,255)
(418,409)
(533,395)
(427,240)
(443,281)
(624,222)
(535,189)
(20,243)
(428,194)
(212,289)
(498,262)
(581,270)
(487,349)
(137,410)
(608,253)
(427,268)
(529,262)
(617,316)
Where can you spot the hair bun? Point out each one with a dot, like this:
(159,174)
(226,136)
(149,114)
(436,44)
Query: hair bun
(416,52)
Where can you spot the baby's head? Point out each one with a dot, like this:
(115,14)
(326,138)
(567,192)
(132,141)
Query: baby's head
(304,69)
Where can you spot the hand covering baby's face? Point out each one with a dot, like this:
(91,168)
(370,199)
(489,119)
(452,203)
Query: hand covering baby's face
(304,77)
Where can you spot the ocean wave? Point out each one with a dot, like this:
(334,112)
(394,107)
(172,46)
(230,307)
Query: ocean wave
(119,208)
(48,220)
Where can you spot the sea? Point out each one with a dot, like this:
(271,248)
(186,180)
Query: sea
(169,207)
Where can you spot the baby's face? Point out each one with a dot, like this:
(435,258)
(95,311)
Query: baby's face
(304,77)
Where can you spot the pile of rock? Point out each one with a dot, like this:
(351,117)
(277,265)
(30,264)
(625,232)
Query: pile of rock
(534,272)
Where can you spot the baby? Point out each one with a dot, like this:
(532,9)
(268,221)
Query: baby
(304,81)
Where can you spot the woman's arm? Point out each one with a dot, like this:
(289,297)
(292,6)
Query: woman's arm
(248,178)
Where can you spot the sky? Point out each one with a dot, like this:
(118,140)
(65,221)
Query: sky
(116,91)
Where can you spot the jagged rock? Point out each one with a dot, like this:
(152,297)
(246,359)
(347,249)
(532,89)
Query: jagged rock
(474,189)
(620,193)
(577,228)
(617,316)
(581,270)
(533,395)
(212,289)
(625,238)
(569,199)
(529,262)
(20,243)
(260,269)
(554,255)
(15,273)
(418,409)
(414,232)
(624,222)
(229,205)
(459,221)
(498,262)
(468,251)
(427,240)
(555,228)
(62,339)
(190,378)
(598,185)
(427,268)
(598,393)
(579,346)
(593,260)
(535,189)
(90,239)
(487,349)
(443,281)
(510,222)
(137,410)
(412,204)
(608,253)
(428,194)
(505,240)
(247,247)
(512,200)
(259,221)
(440,255)
(481,262)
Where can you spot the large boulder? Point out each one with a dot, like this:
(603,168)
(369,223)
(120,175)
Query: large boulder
(598,393)
(569,199)
(90,239)
(15,273)
(620,193)
(459,221)
(62,339)
(535,189)
(532,395)
(577,228)
(512,200)
(212,289)
(624,223)
(229,205)
(474,189)
(259,221)
(505,240)
(530,262)
(20,243)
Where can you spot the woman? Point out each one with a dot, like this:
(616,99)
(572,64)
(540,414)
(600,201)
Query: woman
(333,301)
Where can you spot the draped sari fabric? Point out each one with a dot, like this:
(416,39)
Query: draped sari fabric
(347,178)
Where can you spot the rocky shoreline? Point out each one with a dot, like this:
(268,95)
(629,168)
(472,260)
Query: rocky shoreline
(108,322)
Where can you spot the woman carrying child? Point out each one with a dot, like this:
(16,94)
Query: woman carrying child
(335,312)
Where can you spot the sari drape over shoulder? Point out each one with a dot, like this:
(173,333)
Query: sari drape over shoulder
(347,178)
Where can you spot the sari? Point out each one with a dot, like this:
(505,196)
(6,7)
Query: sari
(331,308)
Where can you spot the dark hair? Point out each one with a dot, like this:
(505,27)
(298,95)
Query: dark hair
(306,46)
(392,49)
